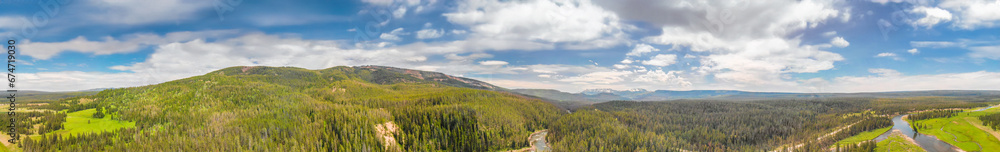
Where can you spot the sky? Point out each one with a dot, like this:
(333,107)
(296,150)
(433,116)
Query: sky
(567,45)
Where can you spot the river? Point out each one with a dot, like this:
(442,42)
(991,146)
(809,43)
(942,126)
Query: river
(929,143)
(538,141)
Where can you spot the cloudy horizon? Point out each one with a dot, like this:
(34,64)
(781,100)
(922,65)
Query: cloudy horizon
(810,46)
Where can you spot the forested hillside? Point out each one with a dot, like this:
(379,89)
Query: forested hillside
(375,108)
(714,125)
(367,108)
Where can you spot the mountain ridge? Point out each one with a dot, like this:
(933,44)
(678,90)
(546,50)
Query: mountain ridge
(661,95)
(260,108)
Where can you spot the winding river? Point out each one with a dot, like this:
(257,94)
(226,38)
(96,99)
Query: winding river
(929,143)
(538,141)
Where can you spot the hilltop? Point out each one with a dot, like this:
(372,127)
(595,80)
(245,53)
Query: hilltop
(362,108)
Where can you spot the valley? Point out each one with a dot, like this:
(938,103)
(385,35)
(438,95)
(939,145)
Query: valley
(378,108)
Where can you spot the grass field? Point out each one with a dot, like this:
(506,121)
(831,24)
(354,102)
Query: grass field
(864,136)
(961,131)
(896,142)
(83,122)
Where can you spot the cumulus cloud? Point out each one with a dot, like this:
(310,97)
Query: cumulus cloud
(603,77)
(913,51)
(839,42)
(393,35)
(667,78)
(134,12)
(972,14)
(110,45)
(989,52)
(641,49)
(932,16)
(576,24)
(429,33)
(399,12)
(493,63)
(892,56)
(830,33)
(886,54)
(661,60)
(626,61)
(891,80)
(935,44)
(756,51)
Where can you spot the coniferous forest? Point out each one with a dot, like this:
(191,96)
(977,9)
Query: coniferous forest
(375,108)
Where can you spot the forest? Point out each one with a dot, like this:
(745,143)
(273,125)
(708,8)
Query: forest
(292,109)
(717,125)
(376,108)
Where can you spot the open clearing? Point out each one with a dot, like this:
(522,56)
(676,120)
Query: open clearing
(898,142)
(864,136)
(961,132)
(83,122)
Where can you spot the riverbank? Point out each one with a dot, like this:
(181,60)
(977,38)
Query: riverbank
(961,130)
(898,142)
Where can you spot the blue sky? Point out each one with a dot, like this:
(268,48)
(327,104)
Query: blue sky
(568,45)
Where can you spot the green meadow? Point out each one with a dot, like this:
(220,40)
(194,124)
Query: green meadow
(83,122)
(961,131)
(864,136)
(896,142)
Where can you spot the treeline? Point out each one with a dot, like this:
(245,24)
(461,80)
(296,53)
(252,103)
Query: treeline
(707,125)
(293,109)
(991,120)
(696,125)
(866,124)
(866,146)
(932,114)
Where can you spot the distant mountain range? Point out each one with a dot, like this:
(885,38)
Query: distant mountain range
(604,95)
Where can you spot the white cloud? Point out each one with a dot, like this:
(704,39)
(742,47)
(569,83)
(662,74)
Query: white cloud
(935,44)
(577,24)
(886,54)
(399,12)
(493,63)
(989,52)
(400,2)
(393,35)
(604,77)
(136,12)
(932,16)
(892,56)
(745,43)
(830,33)
(12,22)
(913,51)
(890,80)
(626,61)
(286,19)
(661,60)
(839,42)
(885,72)
(544,76)
(846,16)
(565,69)
(110,45)
(972,14)
(467,58)
(668,78)
(641,49)
(429,34)
(514,84)
(621,66)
